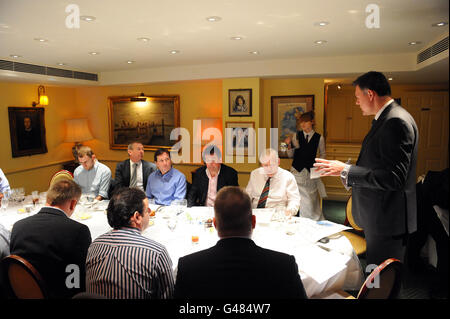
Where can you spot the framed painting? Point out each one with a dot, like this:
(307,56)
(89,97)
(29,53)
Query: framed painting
(241,138)
(145,119)
(27,130)
(240,102)
(285,112)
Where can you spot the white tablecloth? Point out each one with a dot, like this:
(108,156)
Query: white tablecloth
(328,268)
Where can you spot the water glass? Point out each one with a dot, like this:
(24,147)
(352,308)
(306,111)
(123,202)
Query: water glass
(4,203)
(172,223)
(35,197)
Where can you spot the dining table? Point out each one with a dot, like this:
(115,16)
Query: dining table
(326,259)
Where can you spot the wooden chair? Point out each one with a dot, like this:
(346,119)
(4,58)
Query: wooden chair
(61,175)
(23,279)
(356,239)
(384,282)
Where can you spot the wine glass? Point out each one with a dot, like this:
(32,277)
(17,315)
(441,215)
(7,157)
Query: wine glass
(172,223)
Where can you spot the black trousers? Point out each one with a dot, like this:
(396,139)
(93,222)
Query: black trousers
(382,247)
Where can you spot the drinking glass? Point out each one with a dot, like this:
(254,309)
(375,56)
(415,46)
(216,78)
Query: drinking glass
(5,203)
(35,197)
(172,223)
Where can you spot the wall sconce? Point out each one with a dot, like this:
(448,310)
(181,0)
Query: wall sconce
(42,98)
(140,98)
(77,131)
(339,87)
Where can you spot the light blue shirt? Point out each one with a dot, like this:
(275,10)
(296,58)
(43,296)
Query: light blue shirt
(96,180)
(166,188)
(4,184)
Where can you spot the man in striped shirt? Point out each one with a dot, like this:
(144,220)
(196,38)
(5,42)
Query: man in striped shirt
(123,264)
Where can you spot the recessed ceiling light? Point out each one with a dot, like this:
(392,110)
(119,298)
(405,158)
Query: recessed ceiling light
(213,19)
(254,52)
(174,51)
(61,64)
(15,56)
(40,39)
(390,79)
(414,42)
(87,18)
(439,24)
(130,62)
(352,11)
(236,38)
(94,53)
(143,39)
(321,23)
(320,42)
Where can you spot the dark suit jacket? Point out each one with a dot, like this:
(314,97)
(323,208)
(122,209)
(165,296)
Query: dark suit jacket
(384,179)
(200,182)
(51,241)
(238,268)
(122,175)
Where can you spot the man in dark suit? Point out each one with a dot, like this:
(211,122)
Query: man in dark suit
(135,171)
(53,243)
(383,180)
(210,178)
(235,267)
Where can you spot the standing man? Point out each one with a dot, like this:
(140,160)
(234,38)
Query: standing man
(135,171)
(92,176)
(51,241)
(209,179)
(236,267)
(167,183)
(271,186)
(383,180)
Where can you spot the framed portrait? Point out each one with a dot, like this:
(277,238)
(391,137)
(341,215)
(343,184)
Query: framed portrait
(27,130)
(242,137)
(146,119)
(240,102)
(285,112)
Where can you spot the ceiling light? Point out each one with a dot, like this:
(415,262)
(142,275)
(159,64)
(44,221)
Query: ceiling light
(254,52)
(414,42)
(174,51)
(15,56)
(94,53)
(236,38)
(320,42)
(87,18)
(213,19)
(439,24)
(40,39)
(61,64)
(143,39)
(130,62)
(390,79)
(321,23)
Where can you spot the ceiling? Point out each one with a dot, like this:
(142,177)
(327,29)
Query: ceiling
(277,30)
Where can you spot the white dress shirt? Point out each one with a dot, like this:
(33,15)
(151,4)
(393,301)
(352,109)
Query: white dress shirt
(139,178)
(283,190)
(295,143)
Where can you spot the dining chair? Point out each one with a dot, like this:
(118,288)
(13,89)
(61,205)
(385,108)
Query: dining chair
(23,279)
(61,175)
(355,236)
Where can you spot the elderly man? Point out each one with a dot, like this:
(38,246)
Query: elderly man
(4,185)
(235,267)
(92,176)
(53,243)
(123,264)
(210,178)
(271,186)
(167,183)
(135,171)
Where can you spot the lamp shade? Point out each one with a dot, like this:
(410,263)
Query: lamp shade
(77,130)
(43,100)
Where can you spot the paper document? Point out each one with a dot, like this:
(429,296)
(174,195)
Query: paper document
(311,230)
(313,173)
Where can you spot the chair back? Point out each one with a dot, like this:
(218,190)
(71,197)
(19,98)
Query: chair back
(383,282)
(349,217)
(61,175)
(24,280)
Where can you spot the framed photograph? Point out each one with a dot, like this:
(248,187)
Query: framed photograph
(240,102)
(146,119)
(241,138)
(27,130)
(285,112)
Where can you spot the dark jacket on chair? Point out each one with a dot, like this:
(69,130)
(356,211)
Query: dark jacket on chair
(237,268)
(200,182)
(51,241)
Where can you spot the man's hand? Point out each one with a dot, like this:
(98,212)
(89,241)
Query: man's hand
(329,168)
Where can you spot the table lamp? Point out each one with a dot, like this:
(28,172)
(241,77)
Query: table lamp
(77,131)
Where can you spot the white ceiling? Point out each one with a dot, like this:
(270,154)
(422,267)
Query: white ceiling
(282,30)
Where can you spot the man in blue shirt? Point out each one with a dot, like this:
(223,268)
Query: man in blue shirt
(4,185)
(167,183)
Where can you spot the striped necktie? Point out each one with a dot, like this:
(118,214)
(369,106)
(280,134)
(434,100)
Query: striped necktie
(265,193)
(133,180)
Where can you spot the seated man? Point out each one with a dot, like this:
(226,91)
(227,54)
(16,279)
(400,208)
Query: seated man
(135,171)
(4,185)
(167,183)
(92,176)
(271,186)
(209,179)
(51,241)
(123,264)
(235,267)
